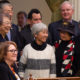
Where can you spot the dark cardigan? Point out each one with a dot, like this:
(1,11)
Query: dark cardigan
(5,72)
(59,55)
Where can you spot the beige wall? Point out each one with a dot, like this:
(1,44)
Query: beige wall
(27,5)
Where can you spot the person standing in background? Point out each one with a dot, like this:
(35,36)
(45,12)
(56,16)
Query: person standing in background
(67,11)
(21,20)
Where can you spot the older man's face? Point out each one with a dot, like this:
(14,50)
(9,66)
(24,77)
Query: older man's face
(66,11)
(6,25)
(8,10)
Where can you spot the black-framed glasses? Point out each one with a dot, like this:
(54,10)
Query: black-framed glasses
(13,50)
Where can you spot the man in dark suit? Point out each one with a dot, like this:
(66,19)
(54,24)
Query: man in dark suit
(21,20)
(66,12)
(34,16)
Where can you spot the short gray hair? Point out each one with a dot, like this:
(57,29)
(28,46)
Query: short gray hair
(38,27)
(3,5)
(66,2)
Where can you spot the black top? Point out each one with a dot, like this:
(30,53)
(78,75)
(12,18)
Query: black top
(5,72)
(38,47)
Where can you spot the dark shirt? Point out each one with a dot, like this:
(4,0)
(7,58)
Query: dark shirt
(5,72)
(38,47)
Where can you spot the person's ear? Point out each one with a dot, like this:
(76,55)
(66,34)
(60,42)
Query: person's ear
(28,21)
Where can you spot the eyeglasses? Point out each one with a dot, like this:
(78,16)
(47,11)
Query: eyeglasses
(13,50)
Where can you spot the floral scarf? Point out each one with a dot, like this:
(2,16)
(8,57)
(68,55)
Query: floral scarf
(67,57)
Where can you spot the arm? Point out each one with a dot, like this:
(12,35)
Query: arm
(22,63)
(53,64)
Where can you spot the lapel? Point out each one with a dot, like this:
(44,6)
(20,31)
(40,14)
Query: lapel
(11,75)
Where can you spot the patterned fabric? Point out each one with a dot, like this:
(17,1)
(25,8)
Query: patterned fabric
(17,77)
(67,57)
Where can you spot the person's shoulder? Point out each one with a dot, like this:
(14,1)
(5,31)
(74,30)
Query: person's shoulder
(3,66)
(27,46)
(25,29)
(49,46)
(56,22)
(75,22)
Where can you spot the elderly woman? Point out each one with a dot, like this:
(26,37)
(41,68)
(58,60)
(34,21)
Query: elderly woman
(8,56)
(67,51)
(5,25)
(38,57)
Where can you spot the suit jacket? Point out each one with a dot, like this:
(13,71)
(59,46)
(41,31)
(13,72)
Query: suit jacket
(6,73)
(2,39)
(26,35)
(15,36)
(54,32)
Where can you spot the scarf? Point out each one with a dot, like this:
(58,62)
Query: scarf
(67,58)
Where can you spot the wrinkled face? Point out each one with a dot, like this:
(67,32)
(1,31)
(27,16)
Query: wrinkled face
(41,37)
(8,10)
(11,54)
(36,18)
(66,11)
(6,25)
(21,20)
(64,36)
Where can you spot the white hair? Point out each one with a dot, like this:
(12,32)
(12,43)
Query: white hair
(6,4)
(66,2)
(38,27)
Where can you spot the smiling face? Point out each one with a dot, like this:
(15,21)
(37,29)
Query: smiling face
(6,25)
(11,55)
(66,11)
(41,37)
(64,36)
(36,18)
(8,9)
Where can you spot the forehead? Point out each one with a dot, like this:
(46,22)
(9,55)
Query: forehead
(66,5)
(21,15)
(11,47)
(64,32)
(34,15)
(7,7)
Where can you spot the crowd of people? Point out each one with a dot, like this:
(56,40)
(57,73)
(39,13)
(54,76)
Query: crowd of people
(32,47)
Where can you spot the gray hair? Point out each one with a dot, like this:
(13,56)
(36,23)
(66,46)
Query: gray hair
(66,2)
(38,27)
(3,5)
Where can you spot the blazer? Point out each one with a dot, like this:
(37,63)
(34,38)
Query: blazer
(5,72)
(54,32)
(26,35)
